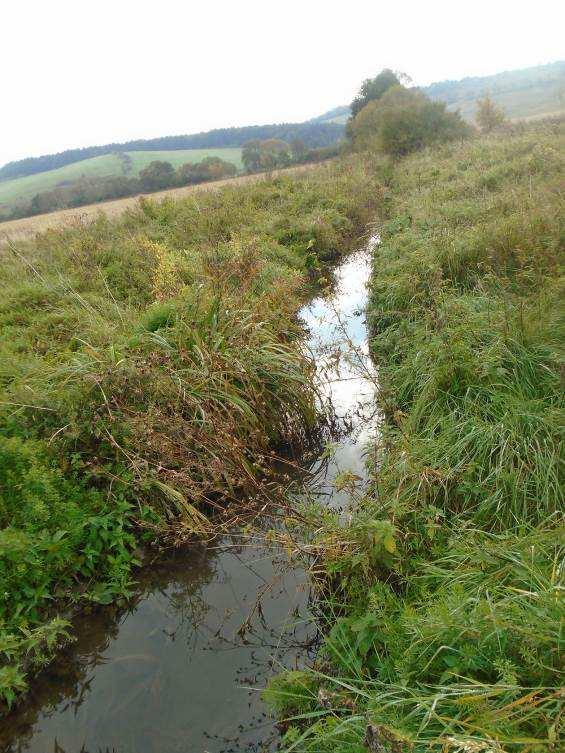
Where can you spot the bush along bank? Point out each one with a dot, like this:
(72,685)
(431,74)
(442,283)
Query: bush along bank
(148,366)
(444,614)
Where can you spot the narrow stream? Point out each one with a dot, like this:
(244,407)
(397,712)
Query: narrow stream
(179,670)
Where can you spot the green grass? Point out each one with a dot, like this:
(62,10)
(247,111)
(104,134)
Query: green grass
(444,588)
(26,188)
(148,367)
(19,189)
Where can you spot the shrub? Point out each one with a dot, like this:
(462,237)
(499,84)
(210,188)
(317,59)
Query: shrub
(405,120)
(157,175)
(210,168)
(489,115)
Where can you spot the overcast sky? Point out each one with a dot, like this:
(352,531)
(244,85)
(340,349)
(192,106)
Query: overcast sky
(82,72)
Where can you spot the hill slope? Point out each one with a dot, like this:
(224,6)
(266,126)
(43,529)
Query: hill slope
(525,93)
(24,188)
(337,115)
(313,134)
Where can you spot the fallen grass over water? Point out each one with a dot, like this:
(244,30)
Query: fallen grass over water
(445,584)
(148,368)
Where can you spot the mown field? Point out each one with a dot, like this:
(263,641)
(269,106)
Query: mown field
(107,165)
(149,365)
(443,588)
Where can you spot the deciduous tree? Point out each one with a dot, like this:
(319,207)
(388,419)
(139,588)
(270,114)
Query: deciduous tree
(373,88)
(157,175)
(404,120)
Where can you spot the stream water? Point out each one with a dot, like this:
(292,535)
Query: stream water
(180,669)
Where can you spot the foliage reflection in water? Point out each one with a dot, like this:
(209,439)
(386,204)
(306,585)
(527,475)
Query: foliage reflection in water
(178,670)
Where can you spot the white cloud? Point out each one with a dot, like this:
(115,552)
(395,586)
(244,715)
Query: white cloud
(94,71)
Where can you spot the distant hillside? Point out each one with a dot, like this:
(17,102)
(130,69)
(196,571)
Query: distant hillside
(525,93)
(313,134)
(337,115)
(108,165)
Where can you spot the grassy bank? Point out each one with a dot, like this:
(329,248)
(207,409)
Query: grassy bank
(445,612)
(148,366)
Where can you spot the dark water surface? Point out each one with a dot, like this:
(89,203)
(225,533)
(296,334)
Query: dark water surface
(180,669)
(172,672)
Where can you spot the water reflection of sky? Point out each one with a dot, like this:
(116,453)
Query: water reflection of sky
(345,373)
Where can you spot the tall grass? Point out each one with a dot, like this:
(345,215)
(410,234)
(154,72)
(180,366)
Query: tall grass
(450,637)
(148,368)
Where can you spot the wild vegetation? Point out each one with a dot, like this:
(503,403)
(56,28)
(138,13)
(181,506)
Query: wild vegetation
(79,176)
(490,116)
(273,154)
(373,89)
(152,365)
(148,368)
(398,121)
(442,587)
(157,176)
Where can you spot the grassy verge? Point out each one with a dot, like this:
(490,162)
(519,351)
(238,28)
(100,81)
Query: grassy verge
(445,611)
(148,366)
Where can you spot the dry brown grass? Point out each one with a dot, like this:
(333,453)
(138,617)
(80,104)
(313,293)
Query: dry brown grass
(28,227)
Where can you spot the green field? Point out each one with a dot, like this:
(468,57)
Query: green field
(21,189)
(182,156)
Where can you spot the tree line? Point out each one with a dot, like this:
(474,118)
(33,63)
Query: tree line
(271,154)
(314,135)
(386,116)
